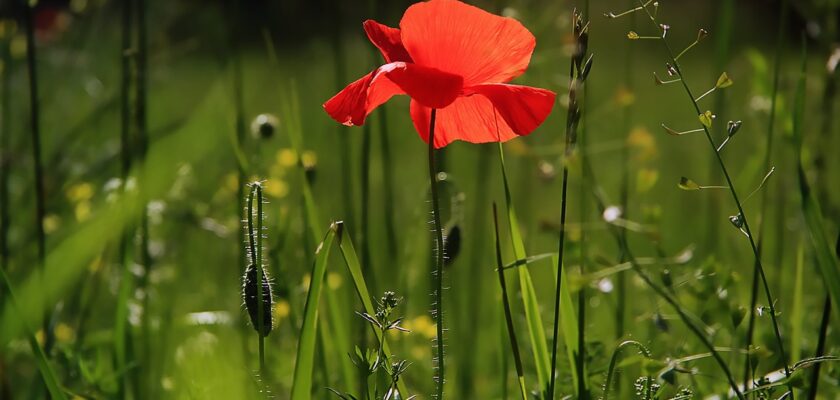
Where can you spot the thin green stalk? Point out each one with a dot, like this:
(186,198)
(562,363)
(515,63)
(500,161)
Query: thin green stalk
(508,318)
(5,166)
(255,235)
(536,332)
(582,386)
(5,154)
(815,375)
(576,83)
(627,120)
(40,195)
(239,116)
(768,153)
(438,272)
(736,199)
(121,317)
(388,178)
(141,122)
(347,186)
(475,298)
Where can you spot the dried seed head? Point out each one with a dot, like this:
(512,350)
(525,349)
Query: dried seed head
(249,294)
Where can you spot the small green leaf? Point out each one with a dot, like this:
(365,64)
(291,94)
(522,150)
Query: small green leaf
(632,35)
(706,119)
(688,184)
(723,81)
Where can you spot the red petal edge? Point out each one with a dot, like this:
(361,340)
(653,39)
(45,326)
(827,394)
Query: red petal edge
(387,40)
(428,86)
(488,113)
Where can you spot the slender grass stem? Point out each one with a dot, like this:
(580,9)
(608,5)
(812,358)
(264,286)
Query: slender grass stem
(5,153)
(438,273)
(40,195)
(141,116)
(121,317)
(737,201)
(517,358)
(777,60)
(815,374)
(572,117)
(621,290)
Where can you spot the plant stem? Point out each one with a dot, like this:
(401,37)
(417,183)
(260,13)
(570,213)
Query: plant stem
(737,201)
(517,358)
(5,153)
(815,375)
(40,196)
(438,274)
(621,290)
(769,150)
(121,315)
(572,116)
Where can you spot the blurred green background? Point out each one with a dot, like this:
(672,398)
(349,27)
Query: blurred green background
(203,55)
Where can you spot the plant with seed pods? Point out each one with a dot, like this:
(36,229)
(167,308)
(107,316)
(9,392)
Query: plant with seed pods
(673,68)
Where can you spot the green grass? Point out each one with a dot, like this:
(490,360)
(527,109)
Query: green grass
(173,326)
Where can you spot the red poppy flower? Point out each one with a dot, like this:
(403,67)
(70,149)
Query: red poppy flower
(457,59)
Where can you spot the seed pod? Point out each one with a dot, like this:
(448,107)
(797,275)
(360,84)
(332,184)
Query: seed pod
(249,294)
(451,244)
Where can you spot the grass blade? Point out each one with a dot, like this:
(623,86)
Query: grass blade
(508,319)
(302,381)
(529,297)
(43,364)
(569,324)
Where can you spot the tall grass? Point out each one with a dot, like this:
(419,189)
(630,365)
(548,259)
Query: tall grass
(578,71)
(771,120)
(37,164)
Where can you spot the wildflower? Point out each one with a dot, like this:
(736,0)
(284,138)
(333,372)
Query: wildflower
(455,58)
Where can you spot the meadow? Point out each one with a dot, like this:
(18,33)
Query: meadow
(180,216)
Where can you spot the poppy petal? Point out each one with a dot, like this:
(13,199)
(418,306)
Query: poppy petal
(430,87)
(462,39)
(491,113)
(387,40)
(524,108)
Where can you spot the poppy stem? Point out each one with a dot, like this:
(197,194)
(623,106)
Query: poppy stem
(438,273)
